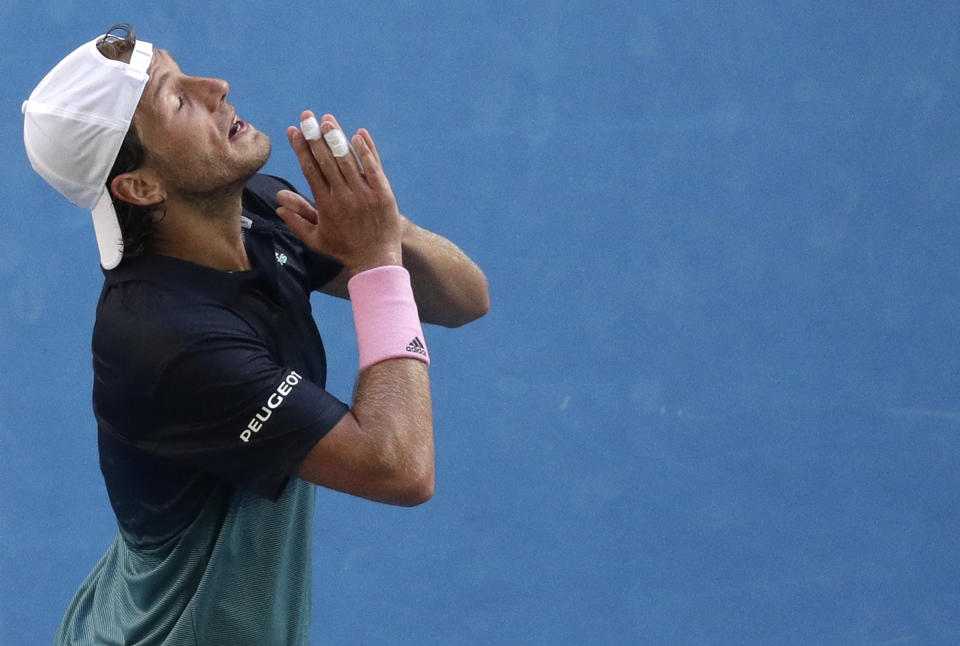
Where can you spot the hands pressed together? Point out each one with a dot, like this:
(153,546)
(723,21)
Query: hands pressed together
(356,219)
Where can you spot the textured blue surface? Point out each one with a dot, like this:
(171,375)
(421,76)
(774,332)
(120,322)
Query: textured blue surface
(716,400)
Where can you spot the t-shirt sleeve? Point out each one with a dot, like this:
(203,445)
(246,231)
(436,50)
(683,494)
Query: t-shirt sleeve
(224,405)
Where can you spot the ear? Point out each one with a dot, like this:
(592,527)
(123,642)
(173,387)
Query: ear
(141,187)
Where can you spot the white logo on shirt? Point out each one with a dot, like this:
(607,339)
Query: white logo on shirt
(273,402)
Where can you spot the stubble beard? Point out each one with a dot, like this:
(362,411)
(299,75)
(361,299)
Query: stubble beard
(219,180)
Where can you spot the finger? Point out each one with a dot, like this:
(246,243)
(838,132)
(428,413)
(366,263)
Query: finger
(301,227)
(346,156)
(342,151)
(298,204)
(329,119)
(368,138)
(324,158)
(308,163)
(372,171)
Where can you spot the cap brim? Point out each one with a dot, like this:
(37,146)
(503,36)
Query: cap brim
(107,228)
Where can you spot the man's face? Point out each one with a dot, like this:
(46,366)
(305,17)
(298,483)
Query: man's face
(193,138)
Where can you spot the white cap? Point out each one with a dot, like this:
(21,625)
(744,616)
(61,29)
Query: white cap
(74,123)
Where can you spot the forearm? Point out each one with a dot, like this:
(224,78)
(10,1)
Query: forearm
(382,449)
(392,399)
(450,289)
(392,403)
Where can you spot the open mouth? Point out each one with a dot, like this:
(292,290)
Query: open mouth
(236,127)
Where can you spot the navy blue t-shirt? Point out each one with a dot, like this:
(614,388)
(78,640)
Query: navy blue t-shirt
(208,393)
(202,376)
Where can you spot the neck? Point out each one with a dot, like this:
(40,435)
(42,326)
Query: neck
(203,230)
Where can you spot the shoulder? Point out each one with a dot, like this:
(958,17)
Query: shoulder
(143,324)
(161,291)
(260,193)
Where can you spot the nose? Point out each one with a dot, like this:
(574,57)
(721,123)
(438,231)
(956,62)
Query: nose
(211,92)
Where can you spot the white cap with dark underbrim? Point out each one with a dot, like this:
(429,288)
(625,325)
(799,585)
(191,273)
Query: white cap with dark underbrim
(74,124)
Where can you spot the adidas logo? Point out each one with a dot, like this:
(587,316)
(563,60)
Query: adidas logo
(417,346)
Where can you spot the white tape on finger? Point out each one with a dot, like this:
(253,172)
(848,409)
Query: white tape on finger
(337,142)
(310,129)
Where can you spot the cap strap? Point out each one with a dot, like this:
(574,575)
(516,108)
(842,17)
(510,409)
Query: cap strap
(140,60)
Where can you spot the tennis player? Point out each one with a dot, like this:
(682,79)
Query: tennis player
(214,425)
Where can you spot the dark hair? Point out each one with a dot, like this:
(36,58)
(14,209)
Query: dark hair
(136,222)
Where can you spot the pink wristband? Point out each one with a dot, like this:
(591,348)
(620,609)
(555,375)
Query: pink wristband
(386,317)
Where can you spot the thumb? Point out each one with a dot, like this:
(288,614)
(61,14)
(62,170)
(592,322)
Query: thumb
(301,227)
(298,204)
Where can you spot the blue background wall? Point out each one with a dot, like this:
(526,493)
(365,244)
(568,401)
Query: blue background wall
(715,401)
